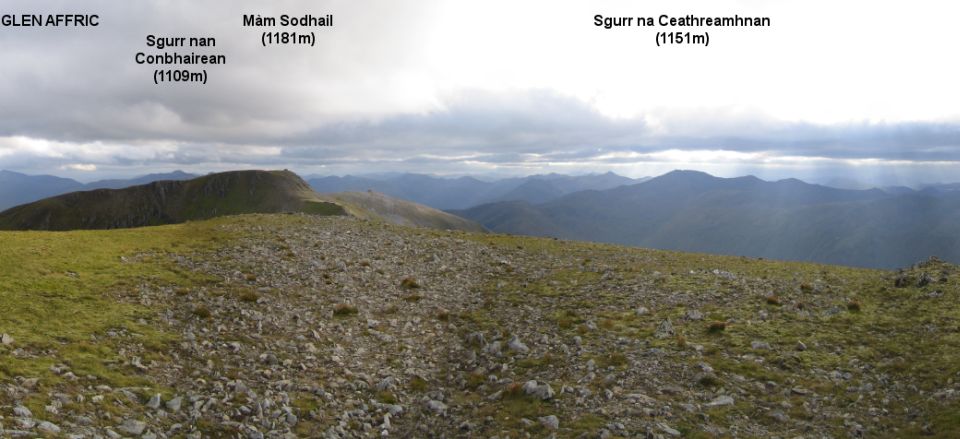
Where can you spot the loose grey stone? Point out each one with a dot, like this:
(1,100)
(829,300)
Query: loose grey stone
(542,391)
(664,329)
(550,422)
(132,426)
(22,412)
(516,345)
(779,416)
(493,348)
(154,402)
(48,427)
(800,391)
(174,404)
(720,401)
(668,430)
(437,407)
(386,383)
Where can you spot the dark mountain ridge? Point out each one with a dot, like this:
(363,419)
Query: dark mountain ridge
(172,201)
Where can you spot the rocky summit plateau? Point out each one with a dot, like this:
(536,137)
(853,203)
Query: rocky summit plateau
(299,325)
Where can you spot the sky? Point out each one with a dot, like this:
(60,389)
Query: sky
(853,90)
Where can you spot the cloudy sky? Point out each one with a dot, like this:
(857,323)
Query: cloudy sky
(861,90)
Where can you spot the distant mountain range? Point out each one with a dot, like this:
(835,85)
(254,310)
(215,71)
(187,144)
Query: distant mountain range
(682,210)
(787,219)
(436,192)
(17,188)
(464,192)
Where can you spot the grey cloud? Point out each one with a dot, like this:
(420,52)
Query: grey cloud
(563,128)
(524,122)
(528,127)
(83,85)
(324,107)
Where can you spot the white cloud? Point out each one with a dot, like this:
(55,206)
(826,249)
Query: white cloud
(85,167)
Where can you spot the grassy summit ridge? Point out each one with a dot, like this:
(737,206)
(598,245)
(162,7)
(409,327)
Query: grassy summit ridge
(167,202)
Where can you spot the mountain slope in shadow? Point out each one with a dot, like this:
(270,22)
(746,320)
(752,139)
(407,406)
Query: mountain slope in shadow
(167,202)
(787,219)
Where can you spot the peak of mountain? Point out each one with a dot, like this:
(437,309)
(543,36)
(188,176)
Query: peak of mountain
(685,174)
(682,180)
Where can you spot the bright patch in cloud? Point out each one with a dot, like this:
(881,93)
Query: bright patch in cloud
(85,167)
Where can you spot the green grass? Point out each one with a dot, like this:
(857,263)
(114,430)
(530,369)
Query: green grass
(59,290)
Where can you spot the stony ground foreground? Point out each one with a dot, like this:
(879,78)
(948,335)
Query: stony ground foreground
(334,327)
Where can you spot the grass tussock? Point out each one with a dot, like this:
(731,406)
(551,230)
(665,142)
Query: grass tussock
(513,391)
(716,327)
(409,283)
(854,306)
(418,384)
(387,397)
(201,311)
(709,380)
(615,359)
(248,296)
(344,310)
(412,298)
